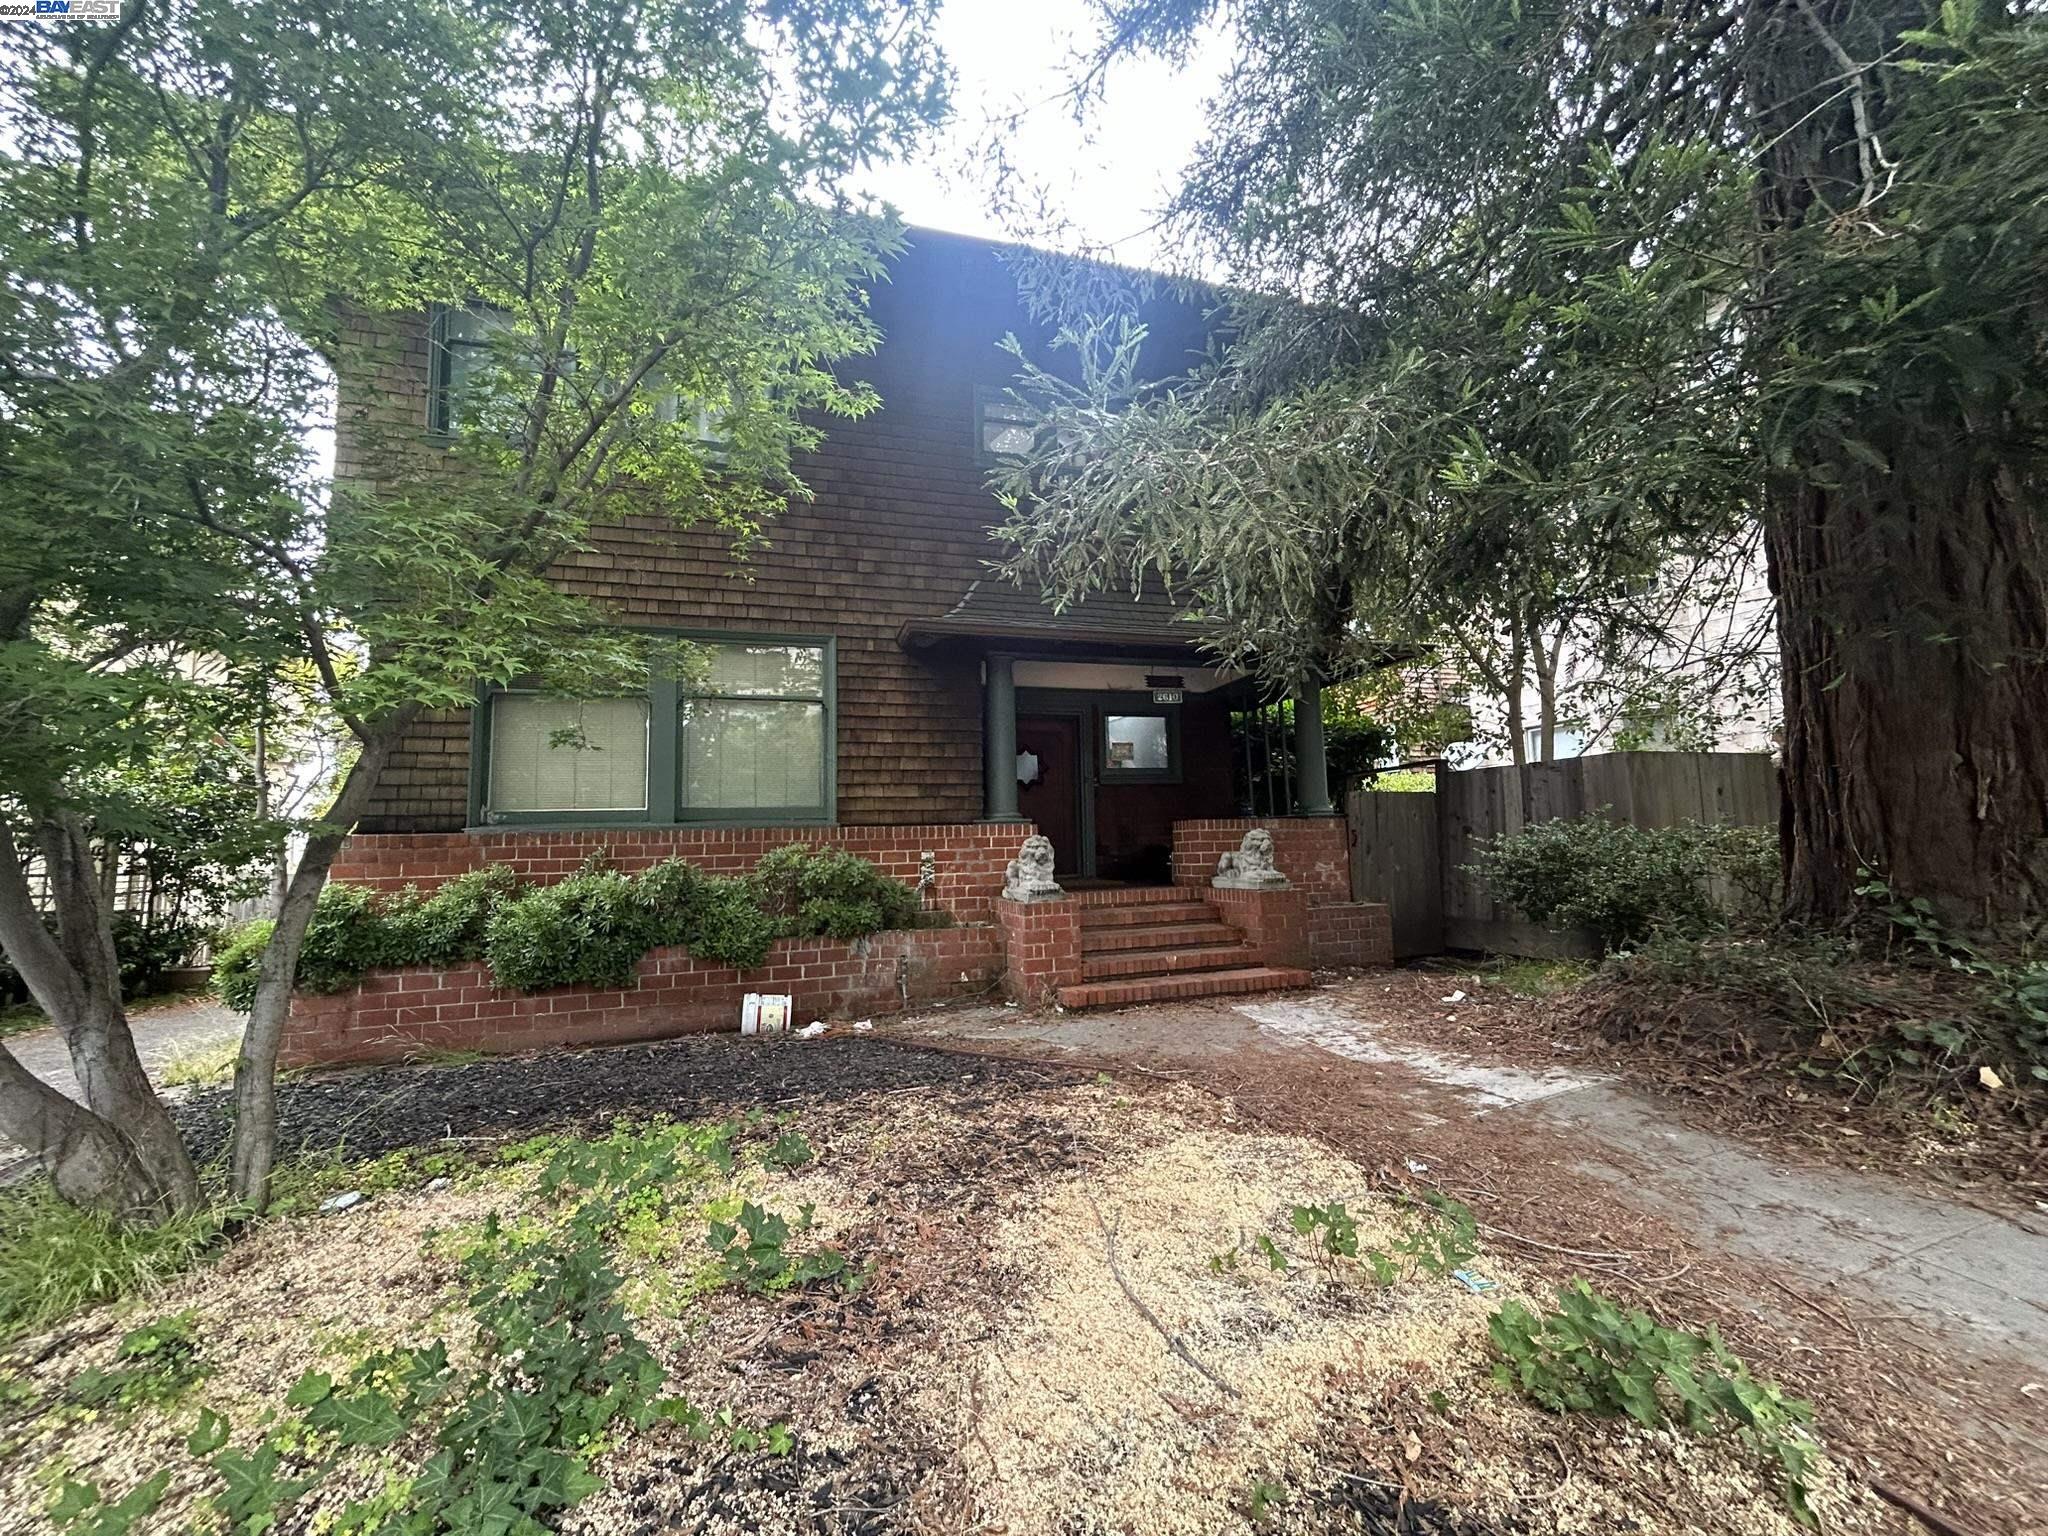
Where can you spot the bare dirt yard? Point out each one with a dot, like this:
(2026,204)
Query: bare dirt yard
(1288,1264)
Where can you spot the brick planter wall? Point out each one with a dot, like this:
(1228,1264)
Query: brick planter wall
(1275,923)
(970,857)
(1351,933)
(1314,852)
(1042,940)
(401,1013)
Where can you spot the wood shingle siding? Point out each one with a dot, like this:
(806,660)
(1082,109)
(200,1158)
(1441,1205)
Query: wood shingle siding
(896,532)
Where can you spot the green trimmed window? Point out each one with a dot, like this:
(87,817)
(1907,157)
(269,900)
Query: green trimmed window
(748,739)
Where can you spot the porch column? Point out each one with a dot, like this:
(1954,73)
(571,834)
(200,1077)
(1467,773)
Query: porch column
(999,740)
(1312,767)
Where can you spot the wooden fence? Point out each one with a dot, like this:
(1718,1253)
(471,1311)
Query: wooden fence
(1412,851)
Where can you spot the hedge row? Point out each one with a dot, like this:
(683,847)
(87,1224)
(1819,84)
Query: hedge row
(590,929)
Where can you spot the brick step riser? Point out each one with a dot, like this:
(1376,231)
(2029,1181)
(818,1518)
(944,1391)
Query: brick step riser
(1136,966)
(1153,989)
(1095,941)
(1151,915)
(1137,896)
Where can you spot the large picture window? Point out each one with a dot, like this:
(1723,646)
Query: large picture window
(568,755)
(748,737)
(753,733)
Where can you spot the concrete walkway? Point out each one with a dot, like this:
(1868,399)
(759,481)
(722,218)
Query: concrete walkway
(1836,1230)
(160,1034)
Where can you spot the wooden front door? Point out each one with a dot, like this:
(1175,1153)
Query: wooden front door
(1049,785)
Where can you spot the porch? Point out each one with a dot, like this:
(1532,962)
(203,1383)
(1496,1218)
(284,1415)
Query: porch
(1107,727)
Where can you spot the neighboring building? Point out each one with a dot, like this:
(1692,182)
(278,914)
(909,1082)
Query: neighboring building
(872,684)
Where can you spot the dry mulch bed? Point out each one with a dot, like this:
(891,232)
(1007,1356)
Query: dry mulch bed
(997,1372)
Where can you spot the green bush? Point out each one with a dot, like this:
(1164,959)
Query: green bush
(588,930)
(591,929)
(830,893)
(235,959)
(1625,883)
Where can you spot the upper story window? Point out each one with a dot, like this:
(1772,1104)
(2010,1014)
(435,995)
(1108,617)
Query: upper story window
(750,739)
(461,343)
(1002,427)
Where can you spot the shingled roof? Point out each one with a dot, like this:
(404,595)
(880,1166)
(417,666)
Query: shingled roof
(993,609)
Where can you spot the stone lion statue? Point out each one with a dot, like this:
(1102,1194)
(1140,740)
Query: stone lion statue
(1029,876)
(1251,868)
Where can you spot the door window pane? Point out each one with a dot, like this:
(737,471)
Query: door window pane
(741,754)
(1135,744)
(550,754)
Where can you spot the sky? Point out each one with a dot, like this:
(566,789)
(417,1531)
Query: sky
(1104,180)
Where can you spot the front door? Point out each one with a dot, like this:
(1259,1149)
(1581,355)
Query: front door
(1049,785)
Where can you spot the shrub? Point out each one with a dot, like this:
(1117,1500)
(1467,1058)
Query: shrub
(591,929)
(1626,883)
(235,959)
(587,930)
(831,893)
(725,923)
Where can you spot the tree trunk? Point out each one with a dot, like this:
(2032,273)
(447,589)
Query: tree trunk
(1912,600)
(254,1151)
(120,1151)
(1915,752)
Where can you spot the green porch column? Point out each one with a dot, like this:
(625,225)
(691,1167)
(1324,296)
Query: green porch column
(999,740)
(1312,766)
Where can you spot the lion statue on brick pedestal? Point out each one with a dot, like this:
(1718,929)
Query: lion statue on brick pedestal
(1029,877)
(1251,868)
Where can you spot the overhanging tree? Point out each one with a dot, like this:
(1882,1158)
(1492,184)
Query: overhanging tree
(1634,266)
(644,207)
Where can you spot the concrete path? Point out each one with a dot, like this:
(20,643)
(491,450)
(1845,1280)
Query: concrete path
(160,1033)
(1834,1229)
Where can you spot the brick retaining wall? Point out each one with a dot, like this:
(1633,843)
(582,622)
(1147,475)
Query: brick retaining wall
(969,858)
(1314,852)
(396,1014)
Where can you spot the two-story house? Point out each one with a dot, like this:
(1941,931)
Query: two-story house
(873,686)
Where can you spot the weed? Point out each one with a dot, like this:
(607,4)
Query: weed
(154,1365)
(1263,1500)
(1224,1262)
(56,1259)
(1448,1239)
(789,1150)
(78,1509)
(1275,1259)
(1539,978)
(1590,1356)
(202,1065)
(753,1252)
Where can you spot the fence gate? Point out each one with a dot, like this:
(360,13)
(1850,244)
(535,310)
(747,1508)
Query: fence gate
(1395,859)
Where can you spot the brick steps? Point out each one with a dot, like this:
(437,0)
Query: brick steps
(1169,962)
(1156,936)
(1153,989)
(1182,909)
(1154,943)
